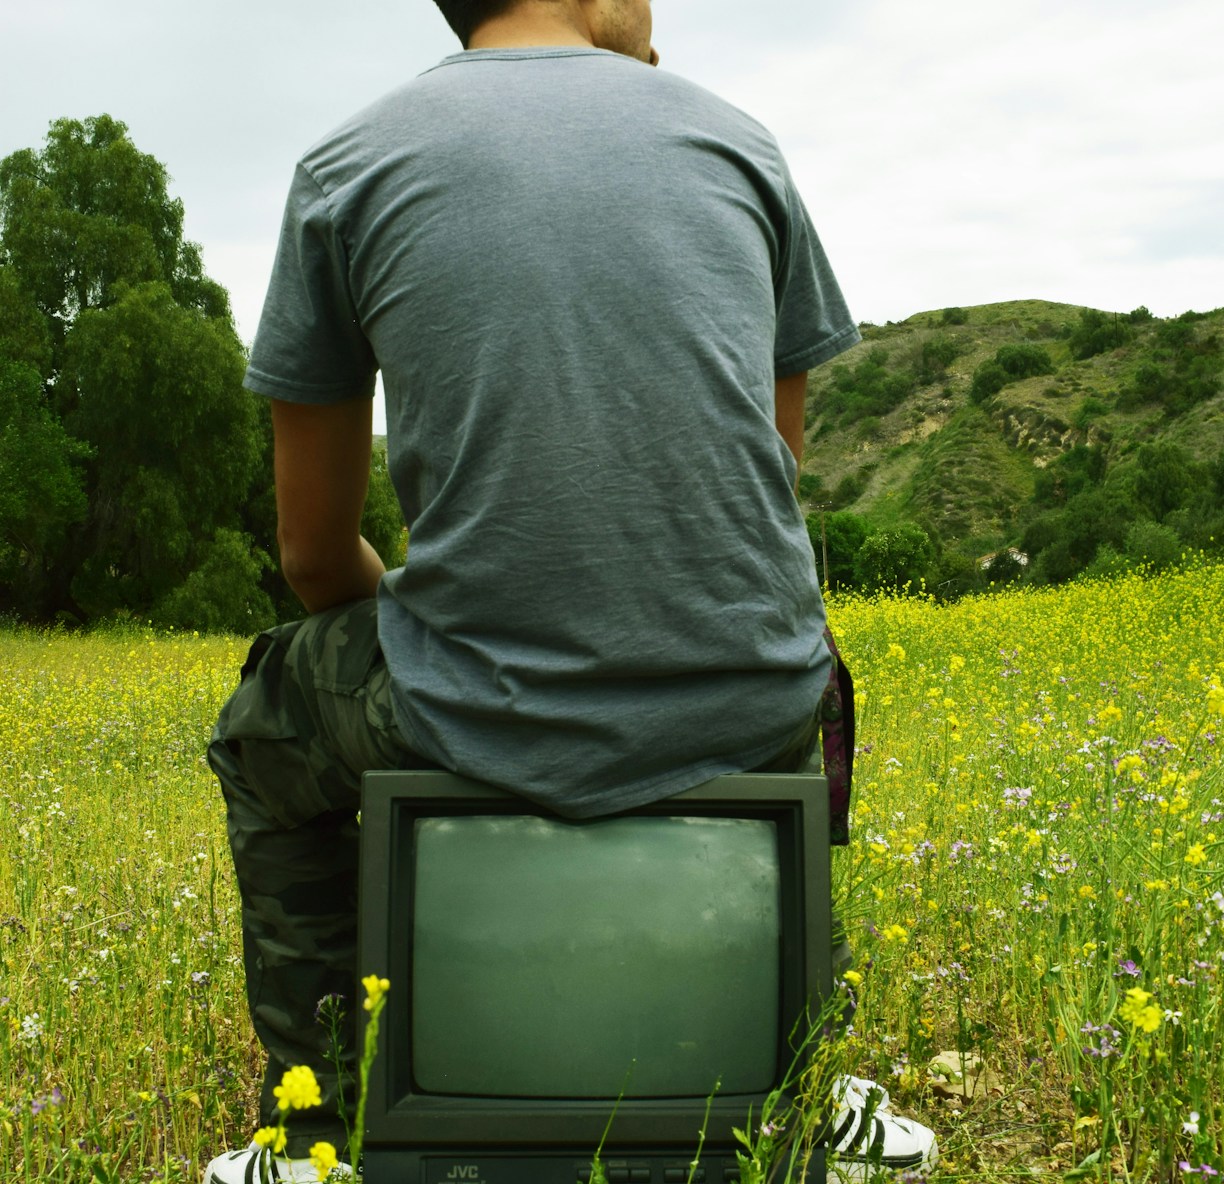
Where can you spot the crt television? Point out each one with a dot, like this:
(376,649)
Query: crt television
(634,980)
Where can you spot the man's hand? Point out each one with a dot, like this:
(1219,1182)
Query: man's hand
(322,472)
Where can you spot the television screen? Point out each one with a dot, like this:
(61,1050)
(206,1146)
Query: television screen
(635,954)
(658,968)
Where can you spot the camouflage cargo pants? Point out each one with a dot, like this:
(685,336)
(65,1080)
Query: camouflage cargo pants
(311,714)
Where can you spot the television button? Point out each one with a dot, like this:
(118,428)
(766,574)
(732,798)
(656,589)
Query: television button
(618,1176)
(639,1176)
(675,1175)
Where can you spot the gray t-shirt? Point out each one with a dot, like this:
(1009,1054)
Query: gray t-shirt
(579,277)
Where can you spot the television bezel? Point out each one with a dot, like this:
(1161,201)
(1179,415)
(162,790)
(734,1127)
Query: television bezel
(397,1117)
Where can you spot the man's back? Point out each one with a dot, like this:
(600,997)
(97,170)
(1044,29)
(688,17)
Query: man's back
(578,277)
(593,294)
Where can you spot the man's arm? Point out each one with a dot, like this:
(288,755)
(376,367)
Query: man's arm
(322,465)
(789,399)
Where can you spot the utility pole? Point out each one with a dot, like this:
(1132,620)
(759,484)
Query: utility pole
(824,548)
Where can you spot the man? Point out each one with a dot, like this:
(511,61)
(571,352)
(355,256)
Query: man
(593,294)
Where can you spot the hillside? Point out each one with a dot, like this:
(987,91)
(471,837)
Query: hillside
(950,419)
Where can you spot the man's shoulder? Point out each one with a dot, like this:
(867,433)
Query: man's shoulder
(437,102)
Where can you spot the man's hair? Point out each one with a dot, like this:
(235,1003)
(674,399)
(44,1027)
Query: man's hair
(464,15)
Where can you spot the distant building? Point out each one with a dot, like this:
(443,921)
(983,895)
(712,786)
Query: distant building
(1016,556)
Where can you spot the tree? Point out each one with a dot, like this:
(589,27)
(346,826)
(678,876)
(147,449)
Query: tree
(1023,361)
(131,377)
(24,335)
(91,213)
(42,492)
(223,591)
(1097,332)
(894,557)
(988,379)
(844,533)
(1166,478)
(156,391)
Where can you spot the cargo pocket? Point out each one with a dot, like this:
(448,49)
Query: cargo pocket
(266,737)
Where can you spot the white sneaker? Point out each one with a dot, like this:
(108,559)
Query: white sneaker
(857,1091)
(868,1138)
(242,1167)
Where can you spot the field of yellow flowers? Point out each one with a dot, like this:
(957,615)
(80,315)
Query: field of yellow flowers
(1035,888)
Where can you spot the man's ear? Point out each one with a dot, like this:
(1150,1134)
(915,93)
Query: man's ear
(654,56)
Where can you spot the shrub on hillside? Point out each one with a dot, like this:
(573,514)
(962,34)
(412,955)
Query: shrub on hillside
(870,388)
(988,379)
(1097,332)
(1023,361)
(938,353)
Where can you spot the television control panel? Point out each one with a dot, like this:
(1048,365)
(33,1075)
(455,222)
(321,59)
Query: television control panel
(401,1166)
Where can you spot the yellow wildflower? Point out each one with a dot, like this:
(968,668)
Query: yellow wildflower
(272,1136)
(298,1089)
(895,933)
(1196,855)
(1215,696)
(323,1159)
(1139,1011)
(376,988)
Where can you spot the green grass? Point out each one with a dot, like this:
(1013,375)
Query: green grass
(1038,830)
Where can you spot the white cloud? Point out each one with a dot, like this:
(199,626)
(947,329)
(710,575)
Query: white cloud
(951,152)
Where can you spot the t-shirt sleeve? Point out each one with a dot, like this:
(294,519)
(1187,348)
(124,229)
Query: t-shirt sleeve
(310,347)
(813,322)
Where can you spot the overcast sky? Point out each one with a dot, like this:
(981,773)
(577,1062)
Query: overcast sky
(958,152)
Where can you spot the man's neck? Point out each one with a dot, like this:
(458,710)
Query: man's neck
(527,25)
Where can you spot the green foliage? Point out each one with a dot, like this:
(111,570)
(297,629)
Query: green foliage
(41,486)
(1071,473)
(938,353)
(811,487)
(156,390)
(1005,567)
(24,333)
(894,557)
(222,592)
(954,316)
(1065,542)
(988,379)
(955,573)
(844,534)
(130,432)
(1182,369)
(850,488)
(1010,364)
(1154,546)
(1166,478)
(1097,332)
(382,521)
(137,473)
(1023,361)
(90,213)
(1089,411)
(870,388)
(982,461)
